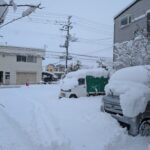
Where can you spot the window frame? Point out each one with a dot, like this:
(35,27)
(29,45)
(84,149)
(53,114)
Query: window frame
(26,59)
(129,20)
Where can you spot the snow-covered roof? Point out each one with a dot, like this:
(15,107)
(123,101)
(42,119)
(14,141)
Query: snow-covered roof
(126,8)
(13,50)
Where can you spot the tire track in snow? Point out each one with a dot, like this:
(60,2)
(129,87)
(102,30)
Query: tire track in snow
(43,131)
(11,135)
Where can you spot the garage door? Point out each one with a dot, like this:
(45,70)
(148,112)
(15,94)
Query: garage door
(23,77)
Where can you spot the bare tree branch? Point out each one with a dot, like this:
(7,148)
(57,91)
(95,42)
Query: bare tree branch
(25,15)
(23,5)
(1,20)
(13,20)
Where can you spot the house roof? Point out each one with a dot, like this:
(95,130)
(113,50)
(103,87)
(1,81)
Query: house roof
(14,50)
(125,9)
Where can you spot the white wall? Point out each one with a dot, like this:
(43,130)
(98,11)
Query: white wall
(8,63)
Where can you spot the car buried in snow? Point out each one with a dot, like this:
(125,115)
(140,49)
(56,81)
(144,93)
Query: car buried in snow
(48,77)
(128,99)
(84,82)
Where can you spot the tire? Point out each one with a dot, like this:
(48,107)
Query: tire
(73,96)
(144,129)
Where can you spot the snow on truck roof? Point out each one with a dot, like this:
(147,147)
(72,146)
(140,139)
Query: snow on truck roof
(71,78)
(99,72)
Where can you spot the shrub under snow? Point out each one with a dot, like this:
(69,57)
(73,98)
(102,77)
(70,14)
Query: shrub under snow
(132,53)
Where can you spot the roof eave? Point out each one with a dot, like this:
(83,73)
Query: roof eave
(124,10)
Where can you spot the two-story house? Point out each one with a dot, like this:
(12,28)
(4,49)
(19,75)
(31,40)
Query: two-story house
(128,21)
(19,65)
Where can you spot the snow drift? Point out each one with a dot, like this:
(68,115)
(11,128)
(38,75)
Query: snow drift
(132,85)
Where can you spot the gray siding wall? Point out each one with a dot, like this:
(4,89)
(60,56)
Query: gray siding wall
(127,33)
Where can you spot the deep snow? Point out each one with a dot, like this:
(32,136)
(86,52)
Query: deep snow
(131,84)
(33,118)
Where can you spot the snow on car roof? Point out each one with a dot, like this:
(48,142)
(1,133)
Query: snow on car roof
(132,86)
(139,74)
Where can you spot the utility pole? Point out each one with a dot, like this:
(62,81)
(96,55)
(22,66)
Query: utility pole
(67,27)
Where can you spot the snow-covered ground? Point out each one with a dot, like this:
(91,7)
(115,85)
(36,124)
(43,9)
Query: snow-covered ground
(33,118)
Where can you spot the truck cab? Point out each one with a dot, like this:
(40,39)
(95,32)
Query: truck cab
(83,83)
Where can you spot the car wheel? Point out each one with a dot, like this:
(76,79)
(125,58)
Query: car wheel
(73,96)
(144,129)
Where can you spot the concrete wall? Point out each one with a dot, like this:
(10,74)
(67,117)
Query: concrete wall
(127,33)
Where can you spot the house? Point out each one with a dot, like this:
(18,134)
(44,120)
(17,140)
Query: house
(134,17)
(50,68)
(60,68)
(19,65)
(55,68)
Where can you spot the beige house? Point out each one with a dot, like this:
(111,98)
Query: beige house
(50,68)
(19,65)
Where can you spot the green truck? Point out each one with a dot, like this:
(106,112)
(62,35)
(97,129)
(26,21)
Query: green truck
(95,85)
(84,83)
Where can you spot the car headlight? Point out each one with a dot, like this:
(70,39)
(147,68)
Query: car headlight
(66,90)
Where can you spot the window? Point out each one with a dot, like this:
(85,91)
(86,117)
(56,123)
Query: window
(24,59)
(7,75)
(18,58)
(31,59)
(28,58)
(81,81)
(125,20)
(21,58)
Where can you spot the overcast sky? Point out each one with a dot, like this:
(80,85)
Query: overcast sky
(92,25)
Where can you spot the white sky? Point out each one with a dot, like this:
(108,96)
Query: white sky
(92,22)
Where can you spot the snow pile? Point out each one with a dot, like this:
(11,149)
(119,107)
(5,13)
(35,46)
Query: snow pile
(125,142)
(32,121)
(33,118)
(131,84)
(134,100)
(71,78)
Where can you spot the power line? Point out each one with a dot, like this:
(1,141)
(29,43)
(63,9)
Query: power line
(77,54)
(80,21)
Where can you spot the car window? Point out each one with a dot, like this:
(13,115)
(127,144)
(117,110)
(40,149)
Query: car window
(81,81)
